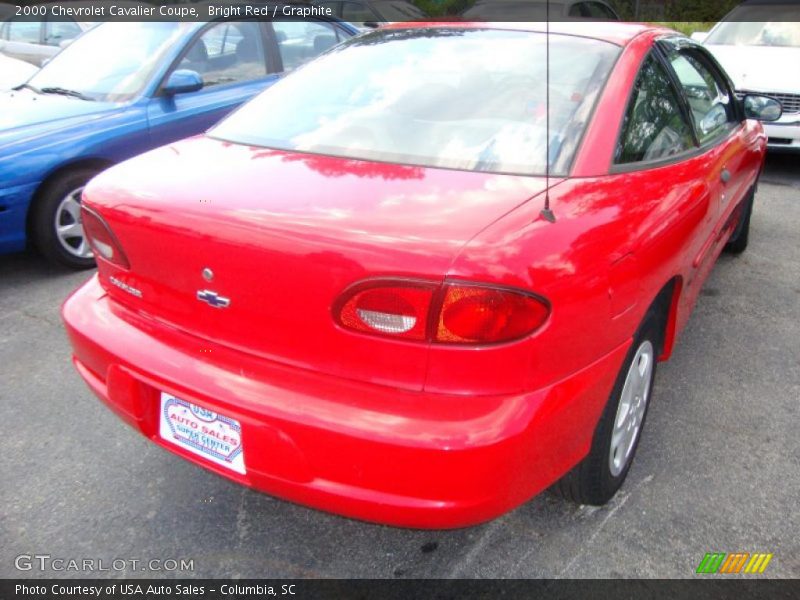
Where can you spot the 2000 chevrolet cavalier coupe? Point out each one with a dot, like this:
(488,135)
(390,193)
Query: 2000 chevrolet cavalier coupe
(427,294)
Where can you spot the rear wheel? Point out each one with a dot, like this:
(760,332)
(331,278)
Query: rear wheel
(738,240)
(56,223)
(598,477)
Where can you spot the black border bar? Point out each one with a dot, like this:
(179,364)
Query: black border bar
(711,586)
(705,11)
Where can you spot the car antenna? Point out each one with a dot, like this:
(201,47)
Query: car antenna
(546,213)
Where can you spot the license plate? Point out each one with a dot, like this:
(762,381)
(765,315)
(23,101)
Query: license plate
(203,432)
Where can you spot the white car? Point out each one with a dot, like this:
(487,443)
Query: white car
(37,41)
(14,72)
(758,44)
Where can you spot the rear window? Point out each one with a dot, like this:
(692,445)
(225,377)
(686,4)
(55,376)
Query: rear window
(438,97)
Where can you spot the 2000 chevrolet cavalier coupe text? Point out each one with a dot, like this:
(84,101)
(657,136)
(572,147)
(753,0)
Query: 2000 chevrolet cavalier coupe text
(427,294)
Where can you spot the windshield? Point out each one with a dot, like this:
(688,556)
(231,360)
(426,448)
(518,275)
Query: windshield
(763,25)
(441,97)
(112,63)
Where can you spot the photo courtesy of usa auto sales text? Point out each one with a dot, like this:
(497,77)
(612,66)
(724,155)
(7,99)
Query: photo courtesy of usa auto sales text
(135,590)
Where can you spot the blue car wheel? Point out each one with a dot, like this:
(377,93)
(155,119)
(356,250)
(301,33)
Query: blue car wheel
(57,225)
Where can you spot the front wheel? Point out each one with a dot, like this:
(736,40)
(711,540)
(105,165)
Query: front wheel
(57,225)
(598,477)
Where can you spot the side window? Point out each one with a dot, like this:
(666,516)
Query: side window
(300,41)
(23,31)
(710,103)
(229,52)
(60,31)
(654,126)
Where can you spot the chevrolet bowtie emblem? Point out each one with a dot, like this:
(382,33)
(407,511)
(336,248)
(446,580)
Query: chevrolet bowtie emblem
(213,299)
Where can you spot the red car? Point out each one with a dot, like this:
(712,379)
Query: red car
(437,288)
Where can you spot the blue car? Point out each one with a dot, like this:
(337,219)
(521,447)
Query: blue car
(119,90)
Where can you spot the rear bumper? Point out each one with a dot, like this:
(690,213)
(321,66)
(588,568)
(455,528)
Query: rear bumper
(361,450)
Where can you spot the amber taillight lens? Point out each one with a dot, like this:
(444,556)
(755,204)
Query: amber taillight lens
(102,240)
(449,313)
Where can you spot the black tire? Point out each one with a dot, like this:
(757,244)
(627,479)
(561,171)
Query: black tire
(738,240)
(43,219)
(592,480)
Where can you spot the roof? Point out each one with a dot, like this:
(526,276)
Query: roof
(614,32)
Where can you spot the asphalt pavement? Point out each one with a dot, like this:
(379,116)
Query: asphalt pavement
(718,467)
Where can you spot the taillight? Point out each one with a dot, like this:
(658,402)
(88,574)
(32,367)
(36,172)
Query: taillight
(101,239)
(450,313)
(486,315)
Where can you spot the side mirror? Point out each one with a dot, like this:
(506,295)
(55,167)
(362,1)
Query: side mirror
(762,108)
(182,81)
(371,24)
(699,36)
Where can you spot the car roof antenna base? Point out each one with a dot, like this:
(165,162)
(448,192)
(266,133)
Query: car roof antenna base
(547,214)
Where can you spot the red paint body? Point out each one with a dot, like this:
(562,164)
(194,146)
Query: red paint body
(407,433)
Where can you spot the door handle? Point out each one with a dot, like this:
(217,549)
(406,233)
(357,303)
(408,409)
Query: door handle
(725,176)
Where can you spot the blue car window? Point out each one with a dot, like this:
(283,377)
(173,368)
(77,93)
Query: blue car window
(300,41)
(229,52)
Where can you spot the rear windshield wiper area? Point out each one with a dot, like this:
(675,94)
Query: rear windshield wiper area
(65,92)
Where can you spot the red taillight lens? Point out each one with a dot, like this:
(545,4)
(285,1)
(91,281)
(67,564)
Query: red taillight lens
(102,240)
(463,313)
(397,309)
(484,315)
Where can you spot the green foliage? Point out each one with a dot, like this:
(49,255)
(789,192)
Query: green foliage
(687,27)
(440,8)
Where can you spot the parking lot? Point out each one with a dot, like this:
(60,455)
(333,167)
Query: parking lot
(718,468)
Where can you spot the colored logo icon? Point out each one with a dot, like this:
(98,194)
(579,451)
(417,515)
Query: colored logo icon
(737,562)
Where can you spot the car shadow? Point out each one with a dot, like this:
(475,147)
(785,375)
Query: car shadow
(782,168)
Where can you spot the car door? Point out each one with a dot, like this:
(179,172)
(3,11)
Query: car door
(232,59)
(665,205)
(718,127)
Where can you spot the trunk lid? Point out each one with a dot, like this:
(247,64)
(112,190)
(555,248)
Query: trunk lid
(284,234)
